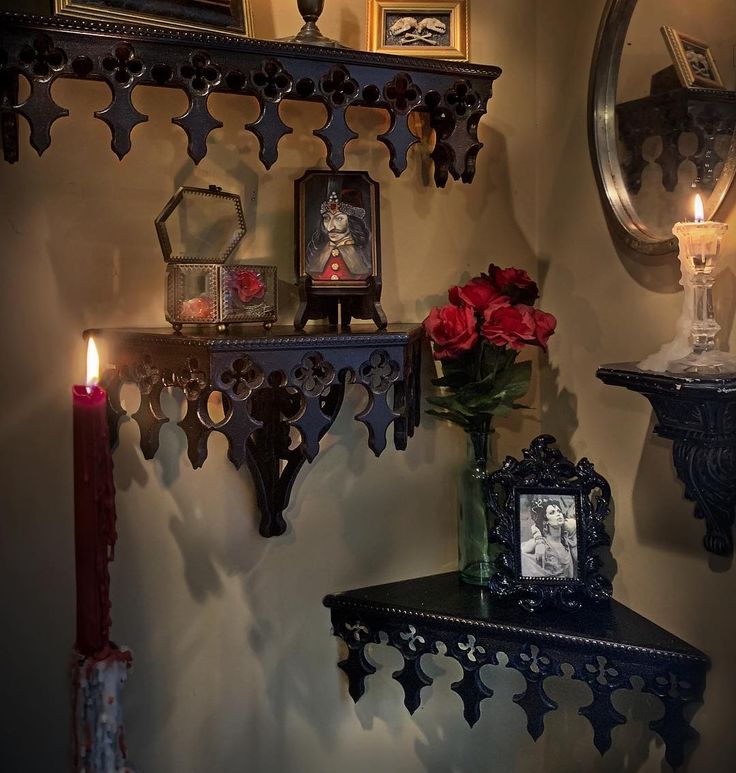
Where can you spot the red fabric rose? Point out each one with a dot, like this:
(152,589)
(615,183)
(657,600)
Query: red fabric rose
(509,326)
(452,330)
(515,283)
(479,293)
(545,327)
(246,284)
(201,307)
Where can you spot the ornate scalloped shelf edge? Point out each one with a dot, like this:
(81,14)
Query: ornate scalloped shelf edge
(336,601)
(41,49)
(673,671)
(269,384)
(395,333)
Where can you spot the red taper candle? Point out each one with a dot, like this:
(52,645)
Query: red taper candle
(94,510)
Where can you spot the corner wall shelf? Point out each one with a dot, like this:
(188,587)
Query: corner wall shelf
(607,645)
(270,382)
(698,413)
(43,49)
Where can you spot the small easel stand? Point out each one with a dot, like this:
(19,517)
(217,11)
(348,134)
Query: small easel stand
(361,302)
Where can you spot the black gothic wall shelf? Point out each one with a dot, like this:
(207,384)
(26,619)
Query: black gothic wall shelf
(270,382)
(699,415)
(43,49)
(606,646)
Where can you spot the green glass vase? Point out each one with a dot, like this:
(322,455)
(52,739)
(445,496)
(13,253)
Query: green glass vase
(475,559)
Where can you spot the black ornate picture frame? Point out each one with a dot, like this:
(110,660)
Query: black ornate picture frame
(337,247)
(547,517)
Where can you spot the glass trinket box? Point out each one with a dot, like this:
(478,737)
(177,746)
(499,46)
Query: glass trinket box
(199,229)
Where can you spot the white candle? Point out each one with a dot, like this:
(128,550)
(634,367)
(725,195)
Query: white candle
(700,240)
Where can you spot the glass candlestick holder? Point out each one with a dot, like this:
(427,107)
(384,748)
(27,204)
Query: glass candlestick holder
(700,246)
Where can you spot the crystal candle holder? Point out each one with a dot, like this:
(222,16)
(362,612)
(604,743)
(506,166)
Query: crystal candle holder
(700,246)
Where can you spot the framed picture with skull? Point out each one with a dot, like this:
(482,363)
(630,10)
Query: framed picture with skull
(432,28)
(338,247)
(693,60)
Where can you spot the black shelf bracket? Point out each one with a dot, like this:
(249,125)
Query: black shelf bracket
(698,413)
(269,382)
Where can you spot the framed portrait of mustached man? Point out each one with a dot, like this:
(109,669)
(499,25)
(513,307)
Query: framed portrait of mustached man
(338,247)
(232,17)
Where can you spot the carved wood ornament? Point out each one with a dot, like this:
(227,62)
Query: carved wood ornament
(43,49)
(608,647)
(269,382)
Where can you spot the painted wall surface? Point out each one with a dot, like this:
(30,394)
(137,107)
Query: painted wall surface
(615,306)
(645,51)
(235,667)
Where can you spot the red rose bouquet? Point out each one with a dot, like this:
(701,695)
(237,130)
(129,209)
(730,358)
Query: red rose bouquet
(477,338)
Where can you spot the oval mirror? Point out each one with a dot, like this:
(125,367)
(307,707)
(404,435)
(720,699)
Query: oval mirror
(662,115)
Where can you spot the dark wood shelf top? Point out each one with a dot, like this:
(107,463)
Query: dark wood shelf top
(629,375)
(444,600)
(607,647)
(255,337)
(229,42)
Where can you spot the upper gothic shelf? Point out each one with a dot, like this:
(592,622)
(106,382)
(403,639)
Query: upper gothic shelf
(42,49)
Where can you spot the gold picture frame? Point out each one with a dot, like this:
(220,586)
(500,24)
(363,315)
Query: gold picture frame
(693,60)
(228,17)
(431,28)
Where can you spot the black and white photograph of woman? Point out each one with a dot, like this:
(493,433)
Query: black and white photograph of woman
(548,536)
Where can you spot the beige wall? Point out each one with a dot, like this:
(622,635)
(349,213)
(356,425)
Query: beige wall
(235,667)
(614,306)
(645,51)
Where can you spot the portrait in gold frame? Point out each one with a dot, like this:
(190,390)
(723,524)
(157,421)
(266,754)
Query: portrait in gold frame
(231,17)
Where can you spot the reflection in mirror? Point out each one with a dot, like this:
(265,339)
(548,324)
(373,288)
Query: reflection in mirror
(673,140)
(657,141)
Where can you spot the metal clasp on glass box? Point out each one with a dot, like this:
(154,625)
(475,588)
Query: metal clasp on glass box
(199,229)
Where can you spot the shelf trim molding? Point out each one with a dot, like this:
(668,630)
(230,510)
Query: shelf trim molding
(453,95)
(409,617)
(269,385)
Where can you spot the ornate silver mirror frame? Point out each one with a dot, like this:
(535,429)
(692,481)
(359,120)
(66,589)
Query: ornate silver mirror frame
(620,212)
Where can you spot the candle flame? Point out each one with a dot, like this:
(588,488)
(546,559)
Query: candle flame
(699,212)
(93,363)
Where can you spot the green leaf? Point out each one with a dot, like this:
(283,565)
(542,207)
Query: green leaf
(487,395)
(449,416)
(495,359)
(502,410)
(450,403)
